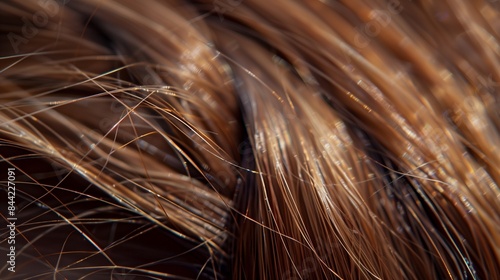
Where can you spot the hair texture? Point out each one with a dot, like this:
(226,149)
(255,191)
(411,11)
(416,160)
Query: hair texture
(251,139)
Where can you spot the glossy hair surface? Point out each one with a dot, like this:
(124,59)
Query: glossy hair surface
(251,139)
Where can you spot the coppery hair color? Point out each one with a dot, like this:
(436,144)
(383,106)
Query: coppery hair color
(250,139)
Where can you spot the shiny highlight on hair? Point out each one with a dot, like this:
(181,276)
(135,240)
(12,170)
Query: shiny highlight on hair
(252,139)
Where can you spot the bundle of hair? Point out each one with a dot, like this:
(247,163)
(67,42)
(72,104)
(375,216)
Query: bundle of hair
(250,139)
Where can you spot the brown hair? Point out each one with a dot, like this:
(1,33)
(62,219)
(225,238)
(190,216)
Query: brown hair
(251,139)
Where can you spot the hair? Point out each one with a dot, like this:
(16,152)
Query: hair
(250,139)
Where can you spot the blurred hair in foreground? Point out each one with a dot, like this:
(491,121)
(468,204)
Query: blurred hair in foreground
(251,139)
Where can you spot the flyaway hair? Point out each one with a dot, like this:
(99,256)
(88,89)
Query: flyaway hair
(250,139)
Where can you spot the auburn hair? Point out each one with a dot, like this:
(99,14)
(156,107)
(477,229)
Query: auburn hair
(250,139)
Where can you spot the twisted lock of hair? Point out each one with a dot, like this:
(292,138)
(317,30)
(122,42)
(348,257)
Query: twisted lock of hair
(251,139)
